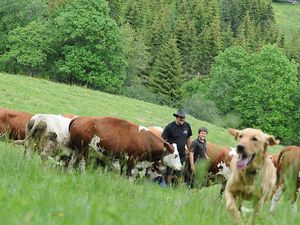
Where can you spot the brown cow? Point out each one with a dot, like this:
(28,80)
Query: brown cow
(219,157)
(288,169)
(120,138)
(13,123)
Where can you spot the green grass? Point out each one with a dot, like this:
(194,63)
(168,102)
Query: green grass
(36,193)
(287,17)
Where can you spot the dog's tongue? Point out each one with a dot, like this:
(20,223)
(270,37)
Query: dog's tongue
(242,163)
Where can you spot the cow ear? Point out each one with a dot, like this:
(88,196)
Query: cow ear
(169,147)
(272,141)
(234,132)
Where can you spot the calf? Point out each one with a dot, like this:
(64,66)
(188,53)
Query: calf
(219,158)
(288,167)
(13,123)
(119,138)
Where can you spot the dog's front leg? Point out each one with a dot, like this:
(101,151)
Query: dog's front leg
(258,204)
(231,206)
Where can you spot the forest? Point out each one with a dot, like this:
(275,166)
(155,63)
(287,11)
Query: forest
(222,61)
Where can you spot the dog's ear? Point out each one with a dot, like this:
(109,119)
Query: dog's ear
(272,141)
(234,132)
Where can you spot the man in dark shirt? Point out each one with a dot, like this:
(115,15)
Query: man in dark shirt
(179,132)
(197,151)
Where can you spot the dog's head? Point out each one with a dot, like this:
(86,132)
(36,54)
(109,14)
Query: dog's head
(251,146)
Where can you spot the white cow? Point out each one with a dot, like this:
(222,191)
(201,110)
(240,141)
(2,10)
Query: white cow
(48,135)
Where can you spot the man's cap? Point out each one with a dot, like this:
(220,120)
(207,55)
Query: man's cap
(202,129)
(179,112)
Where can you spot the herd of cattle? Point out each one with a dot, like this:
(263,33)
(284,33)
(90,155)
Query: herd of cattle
(75,140)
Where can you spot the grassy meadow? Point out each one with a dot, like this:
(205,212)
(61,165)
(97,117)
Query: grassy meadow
(35,193)
(287,17)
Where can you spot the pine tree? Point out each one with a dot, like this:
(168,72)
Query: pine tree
(167,76)
(210,44)
(187,45)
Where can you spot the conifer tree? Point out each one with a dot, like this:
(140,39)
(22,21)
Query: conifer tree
(187,45)
(136,55)
(167,75)
(210,44)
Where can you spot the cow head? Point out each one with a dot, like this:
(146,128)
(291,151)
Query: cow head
(172,159)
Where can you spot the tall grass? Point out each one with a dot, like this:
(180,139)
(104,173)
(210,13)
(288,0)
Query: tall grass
(35,193)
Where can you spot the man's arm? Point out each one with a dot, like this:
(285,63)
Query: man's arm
(191,157)
(189,142)
(166,132)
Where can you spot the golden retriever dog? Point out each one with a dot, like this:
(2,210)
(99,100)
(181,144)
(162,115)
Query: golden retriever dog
(253,174)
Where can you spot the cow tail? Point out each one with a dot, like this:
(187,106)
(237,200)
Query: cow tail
(36,122)
(278,165)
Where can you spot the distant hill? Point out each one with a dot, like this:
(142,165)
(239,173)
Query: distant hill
(287,17)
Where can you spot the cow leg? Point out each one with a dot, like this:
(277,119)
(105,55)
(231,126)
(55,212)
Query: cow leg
(222,189)
(130,165)
(294,199)
(2,134)
(72,161)
(82,165)
(276,198)
(122,162)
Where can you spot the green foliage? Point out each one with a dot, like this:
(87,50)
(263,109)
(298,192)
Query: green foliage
(227,75)
(167,77)
(187,44)
(227,121)
(201,108)
(194,86)
(136,55)
(18,13)
(210,41)
(142,93)
(258,87)
(90,46)
(161,29)
(28,48)
(269,94)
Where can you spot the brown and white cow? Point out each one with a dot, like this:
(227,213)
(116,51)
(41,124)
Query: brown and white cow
(120,138)
(48,135)
(288,175)
(219,158)
(13,123)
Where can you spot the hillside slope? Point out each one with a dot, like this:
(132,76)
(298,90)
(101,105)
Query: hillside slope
(287,16)
(35,193)
(41,96)
(34,95)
